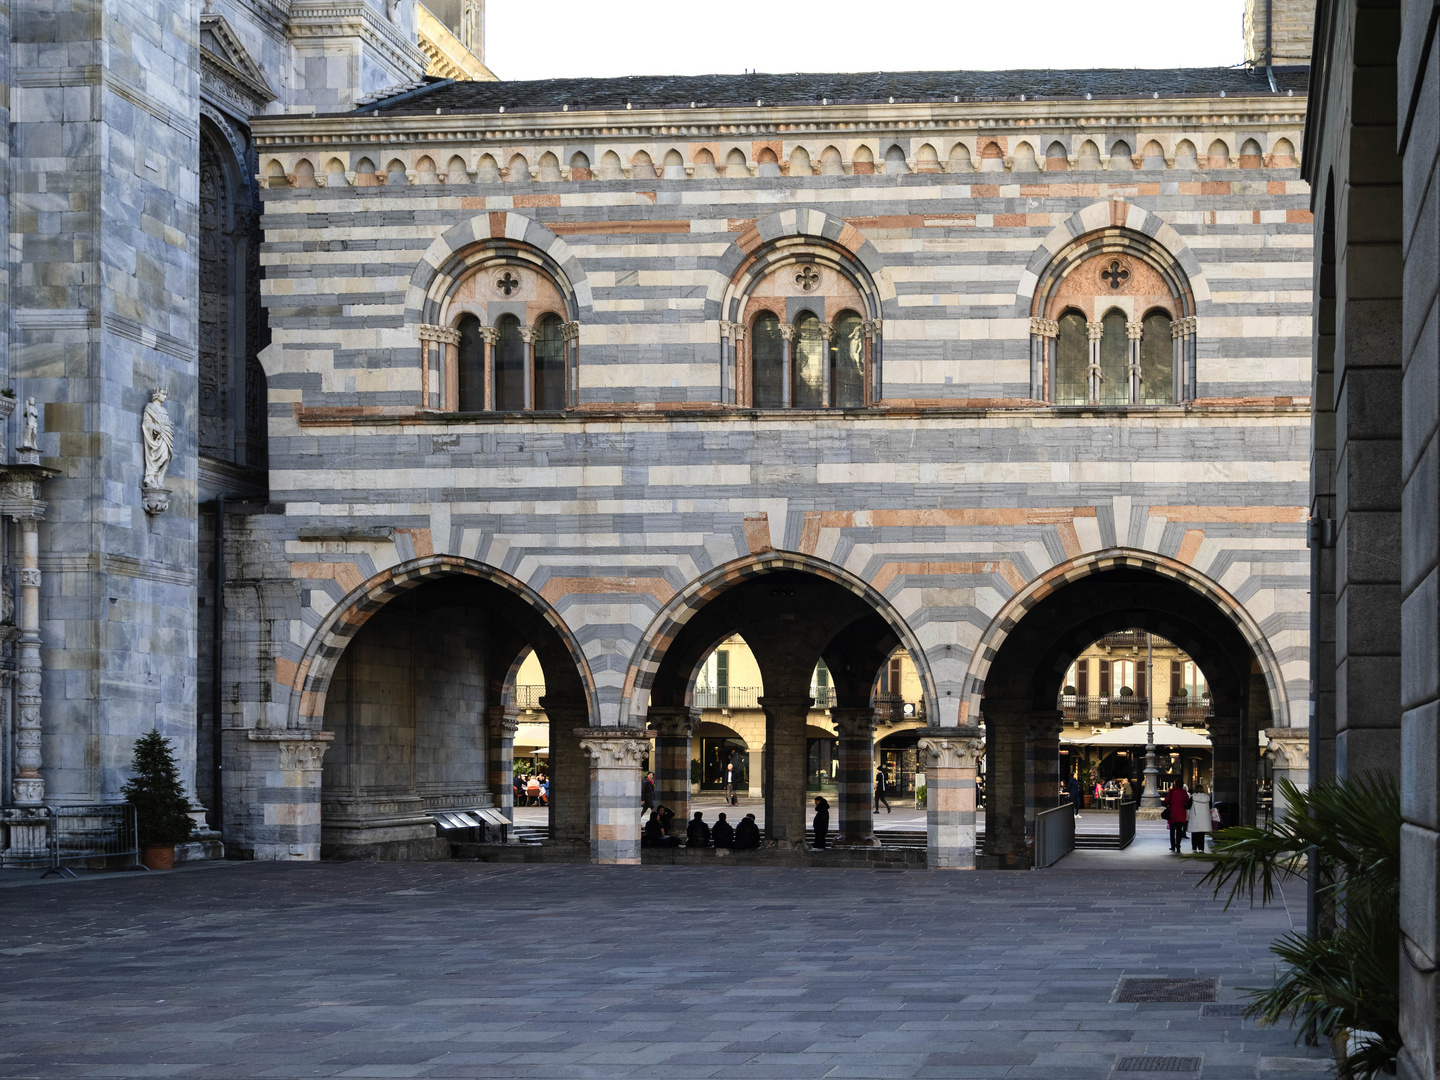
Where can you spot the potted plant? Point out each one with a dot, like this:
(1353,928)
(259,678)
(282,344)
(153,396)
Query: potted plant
(162,811)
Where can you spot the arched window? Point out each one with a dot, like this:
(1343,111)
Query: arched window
(807,363)
(767,361)
(1157,360)
(1072,361)
(470,370)
(1114,360)
(509,364)
(549,363)
(847,362)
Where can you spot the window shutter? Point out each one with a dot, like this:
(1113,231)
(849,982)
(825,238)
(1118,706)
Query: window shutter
(1105,678)
(1142,685)
(1175,678)
(1082,679)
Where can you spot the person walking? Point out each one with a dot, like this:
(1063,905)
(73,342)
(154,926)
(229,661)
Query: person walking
(880,791)
(822,821)
(1199,818)
(1077,794)
(730,785)
(697,833)
(647,793)
(1177,806)
(747,834)
(722,833)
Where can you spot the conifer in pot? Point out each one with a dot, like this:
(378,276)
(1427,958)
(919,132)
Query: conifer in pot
(162,811)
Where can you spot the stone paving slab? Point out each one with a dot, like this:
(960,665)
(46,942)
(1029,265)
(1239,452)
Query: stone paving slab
(671,973)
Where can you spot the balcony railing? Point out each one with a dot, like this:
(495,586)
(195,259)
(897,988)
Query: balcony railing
(1104,710)
(1125,639)
(1186,710)
(727,697)
(528,697)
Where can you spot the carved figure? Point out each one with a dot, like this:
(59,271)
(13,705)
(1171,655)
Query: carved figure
(159,435)
(31,437)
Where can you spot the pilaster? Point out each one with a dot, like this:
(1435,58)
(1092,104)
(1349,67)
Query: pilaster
(1290,760)
(615,755)
(785,769)
(504,721)
(856,730)
(272,793)
(673,726)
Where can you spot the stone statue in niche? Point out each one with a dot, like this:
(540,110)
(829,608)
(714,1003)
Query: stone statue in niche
(31,436)
(158,433)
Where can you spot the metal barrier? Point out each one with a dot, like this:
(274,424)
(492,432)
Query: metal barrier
(1054,834)
(104,831)
(1127,824)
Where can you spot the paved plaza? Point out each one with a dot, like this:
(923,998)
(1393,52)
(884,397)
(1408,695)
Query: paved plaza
(480,970)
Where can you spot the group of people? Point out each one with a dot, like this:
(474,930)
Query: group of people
(1194,813)
(533,790)
(742,837)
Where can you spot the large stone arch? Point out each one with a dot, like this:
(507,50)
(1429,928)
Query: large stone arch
(446,258)
(1083,566)
(343,622)
(686,603)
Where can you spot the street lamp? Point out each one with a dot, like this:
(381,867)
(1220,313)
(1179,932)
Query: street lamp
(1151,795)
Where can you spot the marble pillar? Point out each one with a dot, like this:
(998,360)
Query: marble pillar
(569,779)
(1042,764)
(1290,760)
(785,762)
(615,755)
(673,726)
(952,759)
(855,729)
(503,722)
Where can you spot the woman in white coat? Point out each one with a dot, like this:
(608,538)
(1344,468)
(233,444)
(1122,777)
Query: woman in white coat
(1199,817)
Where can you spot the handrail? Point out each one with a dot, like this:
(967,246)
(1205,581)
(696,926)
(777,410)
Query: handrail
(1054,834)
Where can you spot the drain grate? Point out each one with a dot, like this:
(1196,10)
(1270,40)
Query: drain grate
(1222,1010)
(1151,1063)
(1157,990)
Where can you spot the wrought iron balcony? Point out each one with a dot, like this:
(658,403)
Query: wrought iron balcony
(1104,710)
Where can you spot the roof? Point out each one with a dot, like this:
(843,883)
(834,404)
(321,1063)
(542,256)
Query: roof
(714,91)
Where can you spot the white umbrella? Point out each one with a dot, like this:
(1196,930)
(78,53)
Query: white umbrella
(1137,735)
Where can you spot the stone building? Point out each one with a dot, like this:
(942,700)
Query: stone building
(1373,157)
(980,366)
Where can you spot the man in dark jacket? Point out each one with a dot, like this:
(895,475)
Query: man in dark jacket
(1077,795)
(747,834)
(647,793)
(722,833)
(822,820)
(880,791)
(697,834)
(517,788)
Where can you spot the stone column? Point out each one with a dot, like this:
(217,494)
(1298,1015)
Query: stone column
(952,757)
(856,731)
(503,720)
(1133,332)
(1095,331)
(1042,764)
(1177,359)
(527,336)
(272,783)
(614,792)
(1005,738)
(877,360)
(1225,758)
(28,786)
(827,331)
(490,335)
(785,808)
(673,726)
(571,330)
(787,333)
(1290,758)
(737,336)
(1042,333)
(569,778)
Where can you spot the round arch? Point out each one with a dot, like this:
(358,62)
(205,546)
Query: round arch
(343,622)
(1009,616)
(1113,226)
(688,602)
(453,252)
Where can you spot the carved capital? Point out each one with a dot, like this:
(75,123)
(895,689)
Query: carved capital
(1045,327)
(504,721)
(727,328)
(443,334)
(851,723)
(1290,749)
(827,331)
(527,334)
(301,756)
(787,330)
(672,721)
(570,331)
(490,334)
(1134,330)
(962,750)
(1095,330)
(29,577)
(616,748)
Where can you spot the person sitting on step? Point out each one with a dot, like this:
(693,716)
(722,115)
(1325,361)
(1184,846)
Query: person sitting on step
(697,834)
(722,833)
(747,834)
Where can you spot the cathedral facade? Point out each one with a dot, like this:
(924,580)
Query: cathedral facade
(980,366)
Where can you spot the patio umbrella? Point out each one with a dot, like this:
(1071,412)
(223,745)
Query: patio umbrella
(1136,735)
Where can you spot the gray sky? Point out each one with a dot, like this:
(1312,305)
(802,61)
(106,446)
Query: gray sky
(539,39)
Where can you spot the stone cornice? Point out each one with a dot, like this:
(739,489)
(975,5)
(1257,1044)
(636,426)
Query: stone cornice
(843,121)
(321,19)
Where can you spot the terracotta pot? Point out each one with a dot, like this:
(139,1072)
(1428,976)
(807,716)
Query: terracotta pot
(158,856)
